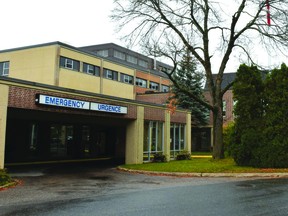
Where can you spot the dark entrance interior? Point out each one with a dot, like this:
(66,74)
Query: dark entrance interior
(44,136)
(201,139)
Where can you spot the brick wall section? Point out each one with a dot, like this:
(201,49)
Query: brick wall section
(228,97)
(178,117)
(24,98)
(157,98)
(154,114)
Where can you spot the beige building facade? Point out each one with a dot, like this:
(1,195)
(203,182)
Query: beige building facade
(62,103)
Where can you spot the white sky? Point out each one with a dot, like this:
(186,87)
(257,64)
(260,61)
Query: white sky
(74,22)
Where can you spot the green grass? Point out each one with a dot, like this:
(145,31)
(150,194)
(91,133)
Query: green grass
(200,165)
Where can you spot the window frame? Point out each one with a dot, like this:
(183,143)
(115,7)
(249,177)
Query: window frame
(132,59)
(119,55)
(154,84)
(139,80)
(110,74)
(4,68)
(74,64)
(87,70)
(142,63)
(163,87)
(125,78)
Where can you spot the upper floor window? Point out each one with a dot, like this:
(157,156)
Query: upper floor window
(109,74)
(119,55)
(165,88)
(69,63)
(126,78)
(141,82)
(143,63)
(154,86)
(224,105)
(131,59)
(91,69)
(103,53)
(4,68)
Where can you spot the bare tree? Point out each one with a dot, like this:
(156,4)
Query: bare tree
(211,30)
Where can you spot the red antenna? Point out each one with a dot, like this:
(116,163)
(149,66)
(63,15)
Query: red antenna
(268,13)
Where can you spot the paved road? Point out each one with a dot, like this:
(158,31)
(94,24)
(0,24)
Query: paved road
(87,189)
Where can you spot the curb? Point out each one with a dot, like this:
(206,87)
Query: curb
(218,175)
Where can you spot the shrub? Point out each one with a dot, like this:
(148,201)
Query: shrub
(159,157)
(4,178)
(228,137)
(183,155)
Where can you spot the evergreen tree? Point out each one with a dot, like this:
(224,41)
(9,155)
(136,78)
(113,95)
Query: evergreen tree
(190,79)
(274,152)
(248,93)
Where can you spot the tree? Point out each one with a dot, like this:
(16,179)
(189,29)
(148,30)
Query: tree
(274,151)
(248,91)
(211,31)
(191,79)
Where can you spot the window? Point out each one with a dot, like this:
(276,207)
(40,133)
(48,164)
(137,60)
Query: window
(141,82)
(4,68)
(132,59)
(69,63)
(153,139)
(154,86)
(224,108)
(165,88)
(143,63)
(109,74)
(126,78)
(119,55)
(91,69)
(103,53)
(177,139)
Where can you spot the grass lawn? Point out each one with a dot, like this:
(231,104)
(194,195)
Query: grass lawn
(200,165)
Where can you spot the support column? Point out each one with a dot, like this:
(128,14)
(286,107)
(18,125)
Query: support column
(134,139)
(166,149)
(188,133)
(3,117)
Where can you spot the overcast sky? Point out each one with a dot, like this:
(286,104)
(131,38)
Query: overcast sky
(74,22)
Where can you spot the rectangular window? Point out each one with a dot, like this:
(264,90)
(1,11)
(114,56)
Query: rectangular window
(153,139)
(126,78)
(4,68)
(141,82)
(224,108)
(177,139)
(131,59)
(154,86)
(103,53)
(91,69)
(109,74)
(119,55)
(69,63)
(143,63)
(165,88)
